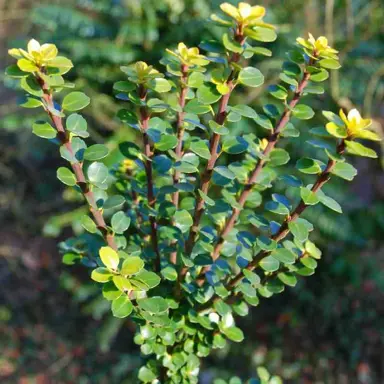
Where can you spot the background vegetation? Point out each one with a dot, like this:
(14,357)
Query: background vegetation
(328,329)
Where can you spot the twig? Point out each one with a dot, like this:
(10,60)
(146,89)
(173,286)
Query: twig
(144,119)
(76,167)
(180,135)
(272,141)
(322,179)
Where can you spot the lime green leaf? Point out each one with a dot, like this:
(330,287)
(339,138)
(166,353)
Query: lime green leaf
(75,101)
(303,112)
(146,375)
(169,273)
(120,222)
(329,64)
(160,85)
(150,279)
(344,170)
(76,124)
(88,224)
(309,166)
(15,72)
(183,220)
(299,230)
(44,130)
(251,77)
(309,197)
(166,142)
(97,173)
(194,106)
(201,149)
(231,45)
(132,265)
(26,65)
(31,102)
(122,307)
(234,334)
(109,257)
(124,86)
(284,255)
(114,202)
(155,305)
(60,65)
(278,91)
(66,176)
(208,94)
(30,85)
(110,292)
(101,275)
(269,264)
(336,130)
(355,148)
(96,152)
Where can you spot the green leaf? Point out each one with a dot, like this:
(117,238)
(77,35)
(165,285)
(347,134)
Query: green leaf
(303,112)
(27,66)
(183,220)
(309,166)
(336,130)
(283,255)
(234,334)
(251,77)
(30,85)
(120,222)
(166,142)
(345,171)
(88,224)
(244,110)
(309,197)
(234,145)
(329,64)
(66,176)
(169,273)
(122,307)
(44,130)
(263,374)
(266,35)
(97,173)
(299,230)
(31,102)
(208,94)
(61,65)
(110,292)
(150,279)
(355,148)
(231,45)
(76,124)
(114,202)
(269,264)
(278,91)
(287,278)
(160,85)
(219,129)
(155,305)
(194,106)
(15,72)
(75,101)
(96,152)
(195,80)
(132,265)
(122,283)
(225,172)
(201,149)
(146,375)
(329,202)
(109,257)
(278,157)
(124,86)
(101,275)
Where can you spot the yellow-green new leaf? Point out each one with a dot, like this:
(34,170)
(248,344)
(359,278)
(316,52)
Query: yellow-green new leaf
(109,257)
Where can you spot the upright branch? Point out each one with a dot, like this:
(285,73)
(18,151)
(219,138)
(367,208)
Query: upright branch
(214,145)
(272,141)
(148,151)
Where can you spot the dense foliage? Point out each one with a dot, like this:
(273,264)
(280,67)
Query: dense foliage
(187,223)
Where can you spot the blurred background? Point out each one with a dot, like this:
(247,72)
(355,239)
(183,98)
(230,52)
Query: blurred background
(55,326)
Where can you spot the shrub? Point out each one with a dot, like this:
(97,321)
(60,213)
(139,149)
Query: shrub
(179,235)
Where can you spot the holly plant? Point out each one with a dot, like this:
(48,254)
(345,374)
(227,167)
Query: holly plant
(188,231)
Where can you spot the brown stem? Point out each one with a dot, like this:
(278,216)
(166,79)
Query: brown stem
(76,167)
(144,119)
(214,144)
(322,179)
(272,141)
(180,135)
